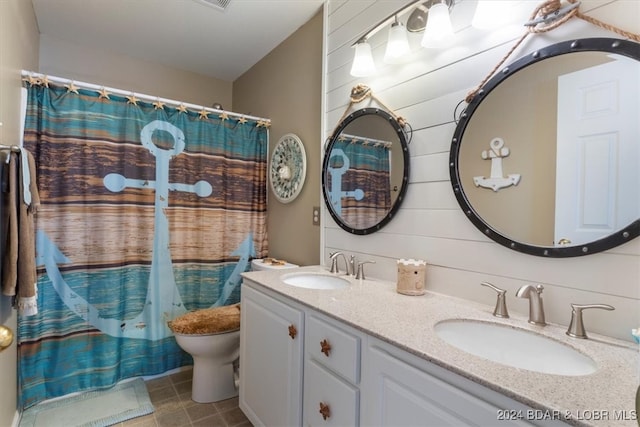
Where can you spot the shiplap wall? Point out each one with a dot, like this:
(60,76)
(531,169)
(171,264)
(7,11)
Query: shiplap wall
(430,224)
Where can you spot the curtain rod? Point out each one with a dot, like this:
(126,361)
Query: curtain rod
(98,88)
(365,140)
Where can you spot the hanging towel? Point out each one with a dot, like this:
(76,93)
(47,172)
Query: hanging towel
(19,263)
(4,186)
(26,175)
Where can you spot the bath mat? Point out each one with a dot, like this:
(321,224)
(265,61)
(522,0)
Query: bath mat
(92,409)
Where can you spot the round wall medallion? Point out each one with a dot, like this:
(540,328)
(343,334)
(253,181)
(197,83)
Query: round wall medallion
(288,168)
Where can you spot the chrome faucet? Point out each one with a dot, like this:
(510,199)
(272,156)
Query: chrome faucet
(576,327)
(501,304)
(536,308)
(334,263)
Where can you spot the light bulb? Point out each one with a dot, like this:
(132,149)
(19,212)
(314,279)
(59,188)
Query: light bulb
(490,14)
(398,43)
(363,61)
(438,32)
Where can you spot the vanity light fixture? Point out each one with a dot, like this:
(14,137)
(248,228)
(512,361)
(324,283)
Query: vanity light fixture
(488,14)
(397,44)
(438,32)
(363,64)
(493,14)
(431,16)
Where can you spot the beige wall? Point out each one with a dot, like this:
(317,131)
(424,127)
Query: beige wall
(91,65)
(285,86)
(18,50)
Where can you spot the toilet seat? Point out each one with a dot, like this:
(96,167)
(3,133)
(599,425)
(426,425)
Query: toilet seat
(207,321)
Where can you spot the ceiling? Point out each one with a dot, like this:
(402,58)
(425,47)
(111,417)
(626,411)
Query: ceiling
(186,34)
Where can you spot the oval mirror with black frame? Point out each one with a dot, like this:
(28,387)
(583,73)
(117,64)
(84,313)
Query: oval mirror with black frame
(365,170)
(545,159)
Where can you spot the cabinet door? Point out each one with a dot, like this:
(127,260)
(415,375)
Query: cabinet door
(401,390)
(271,337)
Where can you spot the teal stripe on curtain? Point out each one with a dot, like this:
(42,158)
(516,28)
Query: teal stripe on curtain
(147,212)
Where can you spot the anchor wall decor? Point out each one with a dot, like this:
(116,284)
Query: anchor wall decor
(497,180)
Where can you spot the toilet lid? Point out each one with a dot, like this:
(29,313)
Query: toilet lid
(270,264)
(207,321)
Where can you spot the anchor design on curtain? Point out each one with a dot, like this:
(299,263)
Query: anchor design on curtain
(147,211)
(359,179)
(162,297)
(336,194)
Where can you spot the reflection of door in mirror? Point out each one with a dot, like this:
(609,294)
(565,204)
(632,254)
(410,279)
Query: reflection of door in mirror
(597,151)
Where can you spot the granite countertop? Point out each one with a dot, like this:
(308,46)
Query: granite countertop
(374,307)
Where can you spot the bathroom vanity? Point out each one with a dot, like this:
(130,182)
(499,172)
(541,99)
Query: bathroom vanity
(366,355)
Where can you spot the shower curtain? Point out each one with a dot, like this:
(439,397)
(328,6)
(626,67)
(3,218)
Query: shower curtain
(364,170)
(147,212)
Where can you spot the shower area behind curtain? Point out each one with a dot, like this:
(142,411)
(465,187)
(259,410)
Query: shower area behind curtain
(147,211)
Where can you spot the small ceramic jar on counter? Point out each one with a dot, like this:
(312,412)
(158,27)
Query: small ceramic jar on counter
(411,277)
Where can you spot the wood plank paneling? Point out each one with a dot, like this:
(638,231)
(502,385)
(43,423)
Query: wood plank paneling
(430,224)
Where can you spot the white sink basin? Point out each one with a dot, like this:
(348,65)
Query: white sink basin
(315,281)
(514,347)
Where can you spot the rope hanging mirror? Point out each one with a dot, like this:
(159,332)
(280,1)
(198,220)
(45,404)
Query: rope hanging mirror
(548,16)
(539,121)
(365,169)
(362,92)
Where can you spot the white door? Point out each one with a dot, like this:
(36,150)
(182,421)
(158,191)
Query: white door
(598,154)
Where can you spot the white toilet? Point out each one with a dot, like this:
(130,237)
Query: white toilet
(212,337)
(270,264)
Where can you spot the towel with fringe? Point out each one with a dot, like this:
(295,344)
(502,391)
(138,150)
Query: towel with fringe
(19,264)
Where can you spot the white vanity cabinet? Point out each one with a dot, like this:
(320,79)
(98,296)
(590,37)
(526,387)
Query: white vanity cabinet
(271,346)
(331,373)
(400,389)
(341,376)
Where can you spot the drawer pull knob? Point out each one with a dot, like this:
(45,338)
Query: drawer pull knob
(325,411)
(325,347)
(293,332)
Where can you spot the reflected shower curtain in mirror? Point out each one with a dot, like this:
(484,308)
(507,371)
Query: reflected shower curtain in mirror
(365,196)
(147,212)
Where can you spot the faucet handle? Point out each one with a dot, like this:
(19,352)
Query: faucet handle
(360,274)
(576,327)
(501,304)
(333,256)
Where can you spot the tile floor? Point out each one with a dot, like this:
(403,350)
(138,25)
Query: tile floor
(171,398)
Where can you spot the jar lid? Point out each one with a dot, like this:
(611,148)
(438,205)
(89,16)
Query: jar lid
(412,262)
